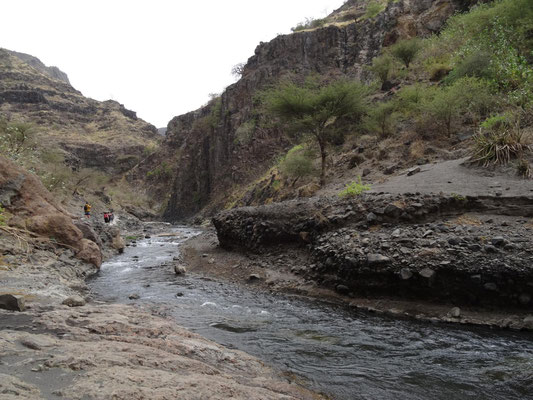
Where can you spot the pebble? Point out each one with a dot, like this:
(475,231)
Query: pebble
(427,273)
(455,312)
(375,259)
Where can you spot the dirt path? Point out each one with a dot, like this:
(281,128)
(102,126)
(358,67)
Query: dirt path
(456,177)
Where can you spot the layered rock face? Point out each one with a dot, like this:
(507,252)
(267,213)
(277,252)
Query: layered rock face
(91,134)
(471,250)
(215,157)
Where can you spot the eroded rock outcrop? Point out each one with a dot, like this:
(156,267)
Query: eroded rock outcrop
(465,250)
(33,208)
(215,155)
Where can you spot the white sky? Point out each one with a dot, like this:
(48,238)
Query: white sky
(159,58)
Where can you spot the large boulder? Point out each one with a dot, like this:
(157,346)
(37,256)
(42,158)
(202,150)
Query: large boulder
(90,252)
(57,227)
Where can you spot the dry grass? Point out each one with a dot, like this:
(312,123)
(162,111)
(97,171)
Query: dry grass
(465,220)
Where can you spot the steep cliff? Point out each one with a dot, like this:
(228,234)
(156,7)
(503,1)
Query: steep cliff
(222,146)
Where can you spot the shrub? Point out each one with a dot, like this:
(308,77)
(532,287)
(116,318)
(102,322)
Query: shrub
(410,98)
(381,67)
(298,163)
(406,50)
(439,71)
(382,118)
(498,142)
(523,168)
(466,96)
(2,216)
(244,133)
(476,64)
(310,23)
(373,8)
(354,189)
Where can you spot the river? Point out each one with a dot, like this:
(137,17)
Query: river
(335,350)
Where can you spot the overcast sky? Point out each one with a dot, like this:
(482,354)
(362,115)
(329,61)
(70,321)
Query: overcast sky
(160,58)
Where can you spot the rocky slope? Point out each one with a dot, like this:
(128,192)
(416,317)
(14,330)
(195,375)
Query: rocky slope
(88,133)
(223,146)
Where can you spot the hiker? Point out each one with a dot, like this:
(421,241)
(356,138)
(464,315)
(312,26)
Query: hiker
(111,216)
(106,217)
(87,209)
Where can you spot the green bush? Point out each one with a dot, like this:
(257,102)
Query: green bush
(310,23)
(355,188)
(298,163)
(382,67)
(382,118)
(373,9)
(476,64)
(2,216)
(466,96)
(244,133)
(406,50)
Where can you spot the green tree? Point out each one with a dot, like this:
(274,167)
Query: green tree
(406,50)
(313,109)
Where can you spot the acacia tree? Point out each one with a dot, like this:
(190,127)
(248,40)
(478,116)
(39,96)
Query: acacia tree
(313,110)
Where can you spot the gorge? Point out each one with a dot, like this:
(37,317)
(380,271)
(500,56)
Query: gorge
(232,270)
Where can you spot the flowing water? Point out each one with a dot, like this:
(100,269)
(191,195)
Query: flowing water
(342,353)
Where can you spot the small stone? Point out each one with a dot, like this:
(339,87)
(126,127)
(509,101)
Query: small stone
(254,277)
(392,210)
(490,249)
(376,259)
(342,289)
(179,269)
(396,233)
(427,233)
(305,237)
(211,261)
(134,296)
(454,241)
(405,273)
(455,312)
(427,273)
(366,172)
(509,247)
(371,217)
(412,171)
(528,322)
(147,236)
(498,241)
(179,294)
(74,301)
(12,302)
(475,247)
(365,241)
(205,255)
